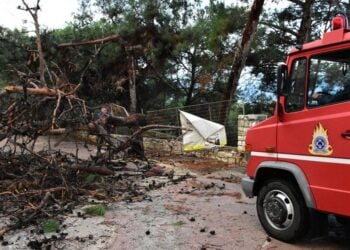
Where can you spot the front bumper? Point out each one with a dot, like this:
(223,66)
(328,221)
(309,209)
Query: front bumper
(247,186)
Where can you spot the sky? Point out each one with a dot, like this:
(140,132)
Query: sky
(53,14)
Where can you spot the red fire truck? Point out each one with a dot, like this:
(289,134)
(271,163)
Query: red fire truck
(299,159)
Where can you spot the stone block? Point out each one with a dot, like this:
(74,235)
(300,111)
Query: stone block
(224,154)
(241,138)
(231,160)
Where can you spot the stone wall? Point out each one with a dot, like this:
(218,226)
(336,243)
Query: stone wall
(162,146)
(244,123)
(227,155)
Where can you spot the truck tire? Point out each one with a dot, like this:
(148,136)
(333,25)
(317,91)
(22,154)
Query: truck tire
(282,210)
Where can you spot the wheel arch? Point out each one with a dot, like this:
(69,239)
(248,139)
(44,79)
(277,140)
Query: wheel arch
(287,171)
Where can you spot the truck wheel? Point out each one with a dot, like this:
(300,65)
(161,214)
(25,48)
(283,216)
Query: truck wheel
(282,210)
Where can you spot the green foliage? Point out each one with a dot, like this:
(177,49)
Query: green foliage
(97,210)
(50,226)
(91,178)
(222,24)
(14,47)
(2,83)
(176,65)
(231,127)
(183,49)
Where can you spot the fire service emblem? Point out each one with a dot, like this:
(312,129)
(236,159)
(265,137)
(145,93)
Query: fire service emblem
(320,143)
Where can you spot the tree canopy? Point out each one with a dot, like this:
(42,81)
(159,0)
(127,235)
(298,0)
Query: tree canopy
(165,53)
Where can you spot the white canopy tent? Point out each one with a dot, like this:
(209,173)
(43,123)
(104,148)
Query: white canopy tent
(203,133)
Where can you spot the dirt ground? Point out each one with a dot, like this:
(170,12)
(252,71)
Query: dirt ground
(206,211)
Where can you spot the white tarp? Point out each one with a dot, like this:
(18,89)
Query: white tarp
(203,134)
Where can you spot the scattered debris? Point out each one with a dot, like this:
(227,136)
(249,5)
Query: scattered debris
(37,186)
(231,179)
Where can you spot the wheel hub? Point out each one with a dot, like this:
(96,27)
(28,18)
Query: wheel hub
(278,209)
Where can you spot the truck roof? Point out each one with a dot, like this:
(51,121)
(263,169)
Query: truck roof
(329,38)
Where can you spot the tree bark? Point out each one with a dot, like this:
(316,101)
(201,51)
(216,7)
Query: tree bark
(32,91)
(193,78)
(89,169)
(305,25)
(240,57)
(42,63)
(132,80)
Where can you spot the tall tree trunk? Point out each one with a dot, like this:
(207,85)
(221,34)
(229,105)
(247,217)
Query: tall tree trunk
(305,25)
(193,79)
(132,81)
(42,63)
(240,57)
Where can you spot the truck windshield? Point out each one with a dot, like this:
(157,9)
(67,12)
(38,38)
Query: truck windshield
(329,78)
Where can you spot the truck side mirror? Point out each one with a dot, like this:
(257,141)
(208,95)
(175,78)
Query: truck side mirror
(282,78)
(282,84)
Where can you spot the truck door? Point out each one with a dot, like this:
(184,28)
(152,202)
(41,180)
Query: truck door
(315,130)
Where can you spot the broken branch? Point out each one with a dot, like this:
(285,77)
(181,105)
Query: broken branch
(91,42)
(91,170)
(32,91)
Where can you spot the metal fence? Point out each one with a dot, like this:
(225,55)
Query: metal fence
(209,111)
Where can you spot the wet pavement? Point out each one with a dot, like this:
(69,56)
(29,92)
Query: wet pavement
(206,212)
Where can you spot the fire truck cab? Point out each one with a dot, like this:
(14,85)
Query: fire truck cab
(299,159)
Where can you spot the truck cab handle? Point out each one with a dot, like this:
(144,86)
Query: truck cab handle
(346,135)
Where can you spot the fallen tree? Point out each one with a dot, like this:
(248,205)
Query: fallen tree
(36,184)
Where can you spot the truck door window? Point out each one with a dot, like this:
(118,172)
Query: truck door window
(296,89)
(329,78)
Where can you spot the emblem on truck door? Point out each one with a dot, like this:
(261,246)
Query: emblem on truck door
(320,143)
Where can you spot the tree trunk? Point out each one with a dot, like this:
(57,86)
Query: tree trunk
(132,82)
(305,25)
(240,57)
(42,63)
(193,80)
